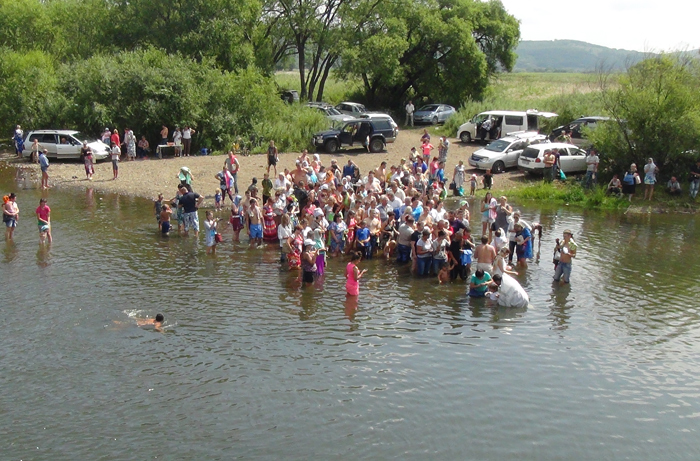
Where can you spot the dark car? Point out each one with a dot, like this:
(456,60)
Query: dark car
(373,133)
(577,130)
(289,96)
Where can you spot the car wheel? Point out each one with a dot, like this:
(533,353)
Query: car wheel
(331,146)
(465,137)
(435,120)
(376,145)
(498,167)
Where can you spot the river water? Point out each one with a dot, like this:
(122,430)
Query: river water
(251,365)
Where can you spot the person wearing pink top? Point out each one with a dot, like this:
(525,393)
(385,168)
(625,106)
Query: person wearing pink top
(426,147)
(43,216)
(353,275)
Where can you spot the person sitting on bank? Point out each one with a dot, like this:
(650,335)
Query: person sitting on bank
(673,187)
(615,186)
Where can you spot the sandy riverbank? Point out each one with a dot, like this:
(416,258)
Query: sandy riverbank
(147,178)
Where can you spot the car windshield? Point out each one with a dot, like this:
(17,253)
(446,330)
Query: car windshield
(479,118)
(82,138)
(530,152)
(333,111)
(498,146)
(429,108)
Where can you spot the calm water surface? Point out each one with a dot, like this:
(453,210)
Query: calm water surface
(251,365)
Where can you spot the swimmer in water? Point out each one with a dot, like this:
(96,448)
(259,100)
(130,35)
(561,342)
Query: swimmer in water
(157,321)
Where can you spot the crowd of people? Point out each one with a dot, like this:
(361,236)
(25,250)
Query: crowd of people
(314,212)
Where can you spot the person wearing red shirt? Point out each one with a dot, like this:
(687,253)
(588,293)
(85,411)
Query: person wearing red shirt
(115,138)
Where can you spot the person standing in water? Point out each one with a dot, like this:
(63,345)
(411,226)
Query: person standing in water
(568,247)
(353,275)
(43,215)
(10,214)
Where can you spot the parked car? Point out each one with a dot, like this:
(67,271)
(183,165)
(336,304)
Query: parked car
(503,122)
(330,112)
(64,144)
(351,108)
(372,133)
(379,115)
(578,128)
(504,153)
(289,96)
(433,113)
(572,159)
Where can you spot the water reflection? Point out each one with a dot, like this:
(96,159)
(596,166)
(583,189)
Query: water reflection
(43,256)
(10,252)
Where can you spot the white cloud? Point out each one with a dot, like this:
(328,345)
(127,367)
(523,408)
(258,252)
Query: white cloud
(642,25)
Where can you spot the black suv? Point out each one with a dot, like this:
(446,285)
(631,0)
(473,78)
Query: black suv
(371,133)
(577,130)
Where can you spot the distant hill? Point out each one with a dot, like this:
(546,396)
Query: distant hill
(571,56)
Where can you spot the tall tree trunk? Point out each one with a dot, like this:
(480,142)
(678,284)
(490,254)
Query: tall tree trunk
(301,49)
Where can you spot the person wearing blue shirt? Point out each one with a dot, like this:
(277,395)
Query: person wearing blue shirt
(349,169)
(363,240)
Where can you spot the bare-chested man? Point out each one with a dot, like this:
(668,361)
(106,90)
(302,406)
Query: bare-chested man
(298,174)
(485,254)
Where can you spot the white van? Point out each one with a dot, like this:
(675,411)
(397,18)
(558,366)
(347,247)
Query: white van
(500,123)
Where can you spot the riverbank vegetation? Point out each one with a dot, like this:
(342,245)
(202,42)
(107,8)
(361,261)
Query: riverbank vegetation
(572,193)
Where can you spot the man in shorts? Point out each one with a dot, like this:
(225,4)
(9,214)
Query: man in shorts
(485,254)
(567,247)
(272,157)
(189,202)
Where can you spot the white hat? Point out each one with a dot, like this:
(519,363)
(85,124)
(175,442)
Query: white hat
(309,242)
(318,212)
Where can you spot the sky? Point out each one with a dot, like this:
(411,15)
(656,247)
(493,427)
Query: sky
(641,25)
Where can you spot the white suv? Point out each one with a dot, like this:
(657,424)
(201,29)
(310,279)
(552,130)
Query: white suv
(572,159)
(62,144)
(504,153)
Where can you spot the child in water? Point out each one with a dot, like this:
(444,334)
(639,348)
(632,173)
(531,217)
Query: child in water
(43,216)
(164,219)
(217,200)
(210,232)
(158,207)
(444,273)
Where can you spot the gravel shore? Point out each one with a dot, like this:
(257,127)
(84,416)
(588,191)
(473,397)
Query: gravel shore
(146,178)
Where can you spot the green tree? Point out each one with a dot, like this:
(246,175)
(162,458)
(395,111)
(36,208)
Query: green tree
(28,84)
(657,108)
(442,50)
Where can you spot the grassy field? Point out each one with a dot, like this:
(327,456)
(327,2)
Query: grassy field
(335,90)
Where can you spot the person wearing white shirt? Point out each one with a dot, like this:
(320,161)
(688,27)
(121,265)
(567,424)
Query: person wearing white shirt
(281,183)
(410,109)
(499,240)
(510,293)
(177,140)
(187,139)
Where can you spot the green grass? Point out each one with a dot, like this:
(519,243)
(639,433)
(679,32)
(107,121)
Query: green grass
(334,91)
(565,194)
